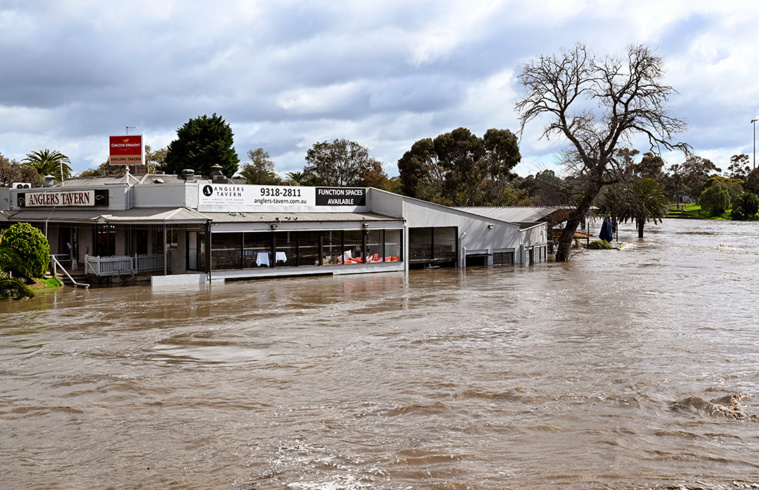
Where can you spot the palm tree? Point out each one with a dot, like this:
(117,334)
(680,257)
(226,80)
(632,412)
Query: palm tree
(645,201)
(11,287)
(296,178)
(49,162)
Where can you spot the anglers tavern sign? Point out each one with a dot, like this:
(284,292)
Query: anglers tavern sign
(60,199)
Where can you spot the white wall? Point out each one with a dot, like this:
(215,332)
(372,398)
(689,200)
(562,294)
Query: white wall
(163,195)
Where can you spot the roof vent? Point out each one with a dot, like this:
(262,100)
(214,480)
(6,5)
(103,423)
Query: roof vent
(49,180)
(188,174)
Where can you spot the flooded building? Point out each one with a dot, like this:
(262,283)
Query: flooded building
(182,229)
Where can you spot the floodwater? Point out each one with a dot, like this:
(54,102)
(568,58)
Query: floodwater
(632,368)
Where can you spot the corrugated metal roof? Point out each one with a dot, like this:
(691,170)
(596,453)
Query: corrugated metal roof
(134,215)
(251,217)
(515,214)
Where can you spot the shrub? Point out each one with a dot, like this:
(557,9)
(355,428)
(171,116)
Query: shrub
(599,245)
(30,246)
(715,199)
(745,207)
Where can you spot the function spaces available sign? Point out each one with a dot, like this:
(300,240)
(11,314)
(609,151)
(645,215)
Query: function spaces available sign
(247,198)
(340,196)
(127,150)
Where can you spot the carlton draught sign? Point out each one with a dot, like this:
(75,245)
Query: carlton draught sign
(127,150)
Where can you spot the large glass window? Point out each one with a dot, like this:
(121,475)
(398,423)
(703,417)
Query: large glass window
(420,243)
(353,241)
(332,248)
(287,248)
(445,244)
(374,246)
(227,251)
(393,245)
(308,248)
(257,250)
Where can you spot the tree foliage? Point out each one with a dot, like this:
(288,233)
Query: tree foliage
(49,162)
(739,167)
(30,246)
(597,104)
(201,143)
(341,163)
(260,169)
(545,188)
(13,287)
(11,171)
(745,207)
(715,199)
(459,168)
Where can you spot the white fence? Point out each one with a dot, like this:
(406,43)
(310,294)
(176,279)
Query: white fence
(116,266)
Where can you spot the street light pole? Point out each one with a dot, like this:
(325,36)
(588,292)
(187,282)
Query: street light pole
(753,121)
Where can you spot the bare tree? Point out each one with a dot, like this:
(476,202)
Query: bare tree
(598,104)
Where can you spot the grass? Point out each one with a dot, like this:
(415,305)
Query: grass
(46,283)
(693,211)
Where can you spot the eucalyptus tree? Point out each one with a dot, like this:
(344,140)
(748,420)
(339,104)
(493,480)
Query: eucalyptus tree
(598,104)
(461,169)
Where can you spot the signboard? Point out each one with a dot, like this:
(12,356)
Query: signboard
(340,196)
(60,199)
(127,150)
(251,198)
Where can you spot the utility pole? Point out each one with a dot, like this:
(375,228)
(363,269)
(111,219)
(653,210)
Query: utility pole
(753,121)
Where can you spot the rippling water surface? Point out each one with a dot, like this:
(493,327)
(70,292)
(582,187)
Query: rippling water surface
(632,368)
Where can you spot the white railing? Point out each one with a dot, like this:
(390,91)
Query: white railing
(118,265)
(56,264)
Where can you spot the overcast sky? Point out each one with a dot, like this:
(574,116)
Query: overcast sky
(287,74)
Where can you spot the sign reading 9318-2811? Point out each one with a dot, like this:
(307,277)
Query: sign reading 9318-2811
(270,198)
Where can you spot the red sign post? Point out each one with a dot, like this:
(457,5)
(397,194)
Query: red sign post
(127,150)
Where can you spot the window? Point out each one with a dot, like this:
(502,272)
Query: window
(353,241)
(503,258)
(393,245)
(256,251)
(227,251)
(332,247)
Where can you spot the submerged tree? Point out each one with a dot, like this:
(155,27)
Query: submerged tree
(598,104)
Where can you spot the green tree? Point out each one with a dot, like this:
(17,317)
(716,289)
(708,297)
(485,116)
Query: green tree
(11,171)
(13,287)
(260,169)
(644,201)
(296,177)
(202,143)
(715,199)
(155,159)
(739,167)
(694,172)
(596,104)
(49,162)
(650,166)
(339,163)
(745,207)
(103,169)
(459,168)
(30,246)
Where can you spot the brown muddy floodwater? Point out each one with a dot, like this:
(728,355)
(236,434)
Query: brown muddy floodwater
(632,368)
